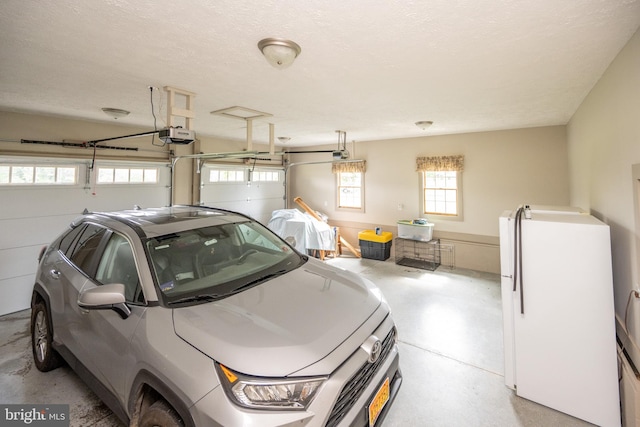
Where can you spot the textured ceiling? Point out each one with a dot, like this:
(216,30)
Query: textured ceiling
(371,69)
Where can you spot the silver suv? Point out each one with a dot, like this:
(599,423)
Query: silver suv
(191,316)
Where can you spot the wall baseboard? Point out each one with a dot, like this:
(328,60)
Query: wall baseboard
(470,251)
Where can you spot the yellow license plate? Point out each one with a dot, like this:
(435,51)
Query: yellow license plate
(379,400)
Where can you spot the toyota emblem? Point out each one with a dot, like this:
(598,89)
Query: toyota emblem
(373,347)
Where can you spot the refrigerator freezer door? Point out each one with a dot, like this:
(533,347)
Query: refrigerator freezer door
(565,349)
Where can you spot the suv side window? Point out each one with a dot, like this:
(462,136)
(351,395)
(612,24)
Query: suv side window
(83,250)
(69,241)
(119,266)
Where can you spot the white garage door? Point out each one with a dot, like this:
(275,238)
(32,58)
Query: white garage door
(41,197)
(256,192)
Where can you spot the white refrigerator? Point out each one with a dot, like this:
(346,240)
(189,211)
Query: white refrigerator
(558,312)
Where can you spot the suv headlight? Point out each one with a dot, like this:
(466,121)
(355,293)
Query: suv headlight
(268,393)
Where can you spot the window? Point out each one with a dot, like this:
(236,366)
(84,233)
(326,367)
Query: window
(265,176)
(440,192)
(350,190)
(85,248)
(218,260)
(126,175)
(38,175)
(350,184)
(441,185)
(118,266)
(226,175)
(68,242)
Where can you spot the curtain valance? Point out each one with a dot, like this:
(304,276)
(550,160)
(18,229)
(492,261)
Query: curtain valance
(349,166)
(440,163)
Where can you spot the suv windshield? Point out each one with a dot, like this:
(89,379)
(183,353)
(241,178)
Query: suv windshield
(209,263)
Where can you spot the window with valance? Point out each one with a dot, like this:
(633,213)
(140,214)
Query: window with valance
(441,184)
(350,184)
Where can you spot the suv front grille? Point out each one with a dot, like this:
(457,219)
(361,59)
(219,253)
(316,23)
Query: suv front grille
(360,380)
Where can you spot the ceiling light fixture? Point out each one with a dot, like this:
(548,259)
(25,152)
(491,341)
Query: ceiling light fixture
(279,52)
(284,139)
(424,124)
(115,113)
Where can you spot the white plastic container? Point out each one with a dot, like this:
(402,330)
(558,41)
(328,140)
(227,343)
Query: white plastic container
(408,230)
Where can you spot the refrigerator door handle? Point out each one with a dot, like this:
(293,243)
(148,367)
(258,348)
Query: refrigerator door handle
(517,267)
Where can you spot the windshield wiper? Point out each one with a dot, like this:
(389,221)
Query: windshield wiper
(197,298)
(216,297)
(256,282)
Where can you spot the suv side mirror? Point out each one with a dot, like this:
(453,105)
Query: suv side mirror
(105,297)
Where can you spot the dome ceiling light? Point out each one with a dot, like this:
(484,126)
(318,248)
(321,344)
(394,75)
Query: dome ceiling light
(424,124)
(279,52)
(115,113)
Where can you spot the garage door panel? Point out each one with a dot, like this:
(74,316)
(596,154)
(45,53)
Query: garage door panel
(114,198)
(16,293)
(224,193)
(258,199)
(51,201)
(267,190)
(19,262)
(32,231)
(259,210)
(36,214)
(74,200)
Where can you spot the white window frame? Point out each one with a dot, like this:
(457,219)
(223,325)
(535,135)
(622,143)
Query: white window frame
(118,175)
(339,188)
(260,175)
(57,168)
(439,214)
(222,175)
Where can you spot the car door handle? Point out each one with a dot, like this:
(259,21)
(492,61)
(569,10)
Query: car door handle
(55,274)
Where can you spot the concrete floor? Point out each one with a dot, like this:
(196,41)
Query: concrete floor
(450,345)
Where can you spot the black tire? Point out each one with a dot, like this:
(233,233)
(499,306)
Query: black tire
(44,355)
(160,414)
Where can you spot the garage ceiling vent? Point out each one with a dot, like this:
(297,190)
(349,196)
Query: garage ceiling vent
(241,113)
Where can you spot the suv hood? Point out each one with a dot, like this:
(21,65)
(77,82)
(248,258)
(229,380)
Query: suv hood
(284,324)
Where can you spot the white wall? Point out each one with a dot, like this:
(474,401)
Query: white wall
(502,169)
(604,143)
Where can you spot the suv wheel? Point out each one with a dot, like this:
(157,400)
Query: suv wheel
(45,357)
(160,414)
